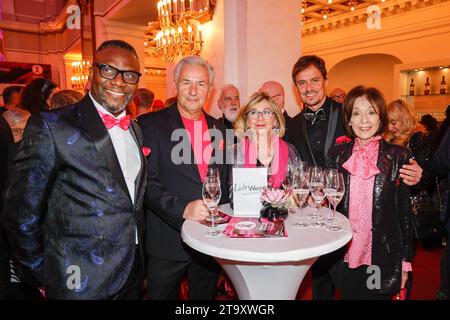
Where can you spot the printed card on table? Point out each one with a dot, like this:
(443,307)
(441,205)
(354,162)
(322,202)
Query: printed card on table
(247,186)
(255,228)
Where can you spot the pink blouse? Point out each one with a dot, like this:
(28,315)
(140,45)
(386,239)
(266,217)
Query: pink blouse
(362,168)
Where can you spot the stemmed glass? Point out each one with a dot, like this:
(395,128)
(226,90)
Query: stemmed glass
(211,194)
(315,185)
(301,193)
(302,165)
(330,185)
(288,181)
(336,197)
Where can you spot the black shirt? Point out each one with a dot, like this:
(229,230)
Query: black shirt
(317,134)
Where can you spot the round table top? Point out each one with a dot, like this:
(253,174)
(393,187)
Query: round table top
(300,244)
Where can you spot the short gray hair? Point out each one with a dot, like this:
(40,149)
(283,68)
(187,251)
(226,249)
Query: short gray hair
(194,60)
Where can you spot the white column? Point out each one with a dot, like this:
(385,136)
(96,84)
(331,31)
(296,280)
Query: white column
(252,41)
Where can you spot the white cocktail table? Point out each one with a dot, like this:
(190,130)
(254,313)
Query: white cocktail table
(269,268)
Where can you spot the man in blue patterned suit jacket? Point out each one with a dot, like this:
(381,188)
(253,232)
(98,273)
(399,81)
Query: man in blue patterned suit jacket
(73,199)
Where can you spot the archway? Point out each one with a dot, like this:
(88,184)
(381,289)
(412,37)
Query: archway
(374,70)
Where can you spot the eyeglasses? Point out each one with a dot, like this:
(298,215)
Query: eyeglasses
(110,73)
(254,114)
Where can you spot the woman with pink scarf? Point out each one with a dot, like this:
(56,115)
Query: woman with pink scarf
(260,125)
(377,261)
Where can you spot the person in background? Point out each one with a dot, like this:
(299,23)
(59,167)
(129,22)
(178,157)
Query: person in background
(404,130)
(12,123)
(158,105)
(6,139)
(143,101)
(74,194)
(170,101)
(16,117)
(432,126)
(444,126)
(64,98)
(37,94)
(11,98)
(338,95)
(376,200)
(174,192)
(229,104)
(441,167)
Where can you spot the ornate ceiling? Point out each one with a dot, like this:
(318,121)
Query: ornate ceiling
(315,10)
(323,15)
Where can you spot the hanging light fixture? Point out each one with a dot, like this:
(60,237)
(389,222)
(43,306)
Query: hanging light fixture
(80,74)
(352,4)
(179,31)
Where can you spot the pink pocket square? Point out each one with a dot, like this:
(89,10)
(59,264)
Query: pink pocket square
(146,151)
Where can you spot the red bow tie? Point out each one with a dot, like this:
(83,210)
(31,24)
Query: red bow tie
(110,121)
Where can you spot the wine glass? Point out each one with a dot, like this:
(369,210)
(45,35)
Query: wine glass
(336,197)
(288,181)
(213,172)
(302,165)
(315,185)
(330,185)
(301,193)
(211,194)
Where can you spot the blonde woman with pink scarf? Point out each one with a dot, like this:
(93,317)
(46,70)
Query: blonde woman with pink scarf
(260,126)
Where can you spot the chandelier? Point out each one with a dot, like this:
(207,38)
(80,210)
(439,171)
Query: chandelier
(179,30)
(80,74)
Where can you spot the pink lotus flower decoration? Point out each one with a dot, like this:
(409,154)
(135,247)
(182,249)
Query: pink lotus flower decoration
(276,197)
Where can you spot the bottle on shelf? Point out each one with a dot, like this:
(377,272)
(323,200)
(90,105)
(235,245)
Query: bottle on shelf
(427,87)
(443,86)
(411,87)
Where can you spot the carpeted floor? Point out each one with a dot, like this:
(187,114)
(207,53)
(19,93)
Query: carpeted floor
(426,272)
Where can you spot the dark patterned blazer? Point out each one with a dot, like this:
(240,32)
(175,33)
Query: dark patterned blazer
(67,206)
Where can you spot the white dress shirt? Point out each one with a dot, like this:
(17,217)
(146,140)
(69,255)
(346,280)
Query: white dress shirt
(126,149)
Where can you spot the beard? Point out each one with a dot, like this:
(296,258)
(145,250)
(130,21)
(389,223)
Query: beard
(112,104)
(230,115)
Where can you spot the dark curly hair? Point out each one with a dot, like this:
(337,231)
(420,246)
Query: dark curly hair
(35,94)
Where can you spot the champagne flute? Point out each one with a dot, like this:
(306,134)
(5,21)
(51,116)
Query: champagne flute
(288,181)
(315,186)
(302,165)
(330,185)
(213,172)
(211,194)
(336,198)
(301,193)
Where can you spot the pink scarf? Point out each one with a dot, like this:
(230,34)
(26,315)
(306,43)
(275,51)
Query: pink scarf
(363,161)
(279,161)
